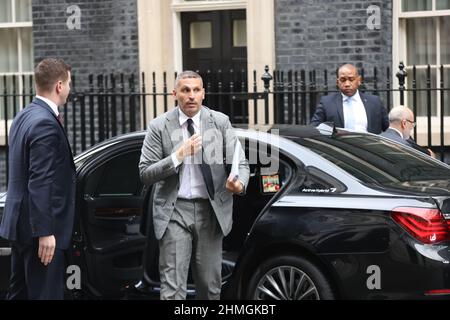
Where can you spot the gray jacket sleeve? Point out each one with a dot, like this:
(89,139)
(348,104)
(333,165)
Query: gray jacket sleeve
(154,165)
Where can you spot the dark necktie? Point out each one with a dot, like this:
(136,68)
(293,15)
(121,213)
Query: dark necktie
(204,167)
(60,119)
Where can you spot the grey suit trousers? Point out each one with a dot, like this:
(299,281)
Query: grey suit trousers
(193,237)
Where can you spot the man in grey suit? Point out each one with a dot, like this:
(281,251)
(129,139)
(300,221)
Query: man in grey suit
(182,156)
(401,120)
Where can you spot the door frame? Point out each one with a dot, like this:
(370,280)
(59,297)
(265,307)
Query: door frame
(160,42)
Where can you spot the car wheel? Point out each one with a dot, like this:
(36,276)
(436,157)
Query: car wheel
(289,278)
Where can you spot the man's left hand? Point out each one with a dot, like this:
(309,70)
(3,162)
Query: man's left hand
(234,185)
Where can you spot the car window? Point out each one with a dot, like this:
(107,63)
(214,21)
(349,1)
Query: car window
(119,176)
(317,181)
(375,160)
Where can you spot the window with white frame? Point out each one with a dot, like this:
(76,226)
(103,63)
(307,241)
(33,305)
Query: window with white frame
(424,39)
(16,54)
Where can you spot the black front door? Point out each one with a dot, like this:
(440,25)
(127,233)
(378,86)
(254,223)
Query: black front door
(215,45)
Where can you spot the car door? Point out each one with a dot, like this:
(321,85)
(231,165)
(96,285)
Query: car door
(246,209)
(110,210)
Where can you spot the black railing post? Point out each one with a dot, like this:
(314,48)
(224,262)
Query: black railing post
(304,116)
(220,90)
(122,103)
(244,90)
(23,92)
(296,100)
(83,121)
(155,111)
(290,98)
(389,90)
(401,75)
(5,104)
(255,101)
(231,97)
(375,81)
(91,109)
(429,105)
(101,117)
(165,91)
(144,102)
(266,78)
(132,103)
(73,100)
(113,105)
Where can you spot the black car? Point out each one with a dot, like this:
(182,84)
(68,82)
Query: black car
(328,214)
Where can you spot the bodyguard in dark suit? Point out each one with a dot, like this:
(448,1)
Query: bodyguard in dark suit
(350,108)
(39,209)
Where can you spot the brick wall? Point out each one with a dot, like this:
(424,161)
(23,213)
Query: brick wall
(322,34)
(106,42)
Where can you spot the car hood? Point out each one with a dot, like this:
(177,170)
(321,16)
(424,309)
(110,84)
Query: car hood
(421,188)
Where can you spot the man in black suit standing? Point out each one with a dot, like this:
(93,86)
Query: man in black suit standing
(39,210)
(350,108)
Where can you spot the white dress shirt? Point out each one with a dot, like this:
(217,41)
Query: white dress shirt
(50,103)
(358,112)
(192,185)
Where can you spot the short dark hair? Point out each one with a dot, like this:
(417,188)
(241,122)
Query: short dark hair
(188,74)
(49,71)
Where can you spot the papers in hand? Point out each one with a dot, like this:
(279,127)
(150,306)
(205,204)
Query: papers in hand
(234,173)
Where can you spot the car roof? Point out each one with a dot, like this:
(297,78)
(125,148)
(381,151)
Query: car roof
(289,131)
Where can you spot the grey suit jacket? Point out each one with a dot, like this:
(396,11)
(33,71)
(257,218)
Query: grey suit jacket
(156,167)
(394,135)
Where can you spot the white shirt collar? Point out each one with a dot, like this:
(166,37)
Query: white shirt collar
(182,117)
(399,132)
(50,103)
(355,97)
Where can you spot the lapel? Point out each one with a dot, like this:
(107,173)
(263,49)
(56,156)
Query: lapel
(207,123)
(44,105)
(173,128)
(340,109)
(367,108)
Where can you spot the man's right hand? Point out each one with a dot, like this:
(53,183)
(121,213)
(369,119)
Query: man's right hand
(190,146)
(46,249)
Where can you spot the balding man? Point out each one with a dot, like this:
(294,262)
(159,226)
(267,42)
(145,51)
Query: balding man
(401,123)
(350,108)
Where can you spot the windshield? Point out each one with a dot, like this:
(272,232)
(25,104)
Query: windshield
(373,159)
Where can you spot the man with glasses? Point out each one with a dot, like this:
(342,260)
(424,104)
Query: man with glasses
(401,120)
(350,108)
(401,123)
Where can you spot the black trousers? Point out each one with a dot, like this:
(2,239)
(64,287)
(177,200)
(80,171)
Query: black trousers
(31,279)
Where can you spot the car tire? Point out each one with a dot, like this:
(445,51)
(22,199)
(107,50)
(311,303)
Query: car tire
(289,278)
